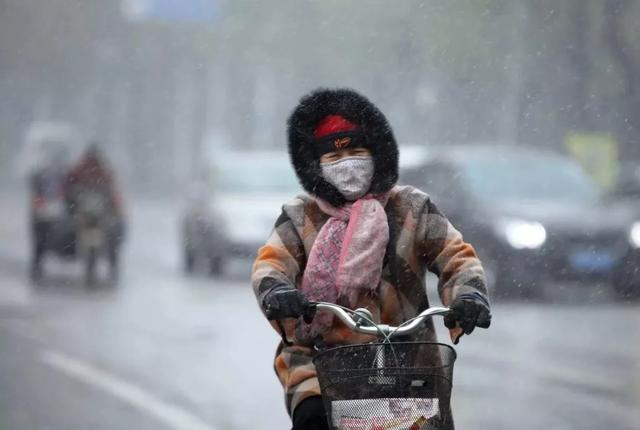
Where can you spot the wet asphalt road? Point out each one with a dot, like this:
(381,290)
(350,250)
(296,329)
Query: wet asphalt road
(167,351)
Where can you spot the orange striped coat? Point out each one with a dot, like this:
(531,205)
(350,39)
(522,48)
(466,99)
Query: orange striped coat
(421,240)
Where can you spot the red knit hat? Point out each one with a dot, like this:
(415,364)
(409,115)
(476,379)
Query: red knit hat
(332,124)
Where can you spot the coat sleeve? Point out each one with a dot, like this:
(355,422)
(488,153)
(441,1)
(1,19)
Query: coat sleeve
(447,255)
(280,261)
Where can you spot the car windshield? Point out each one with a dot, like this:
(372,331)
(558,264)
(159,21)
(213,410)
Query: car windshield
(256,175)
(528,176)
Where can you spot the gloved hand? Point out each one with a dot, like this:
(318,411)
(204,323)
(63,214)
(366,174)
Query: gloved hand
(468,310)
(285,301)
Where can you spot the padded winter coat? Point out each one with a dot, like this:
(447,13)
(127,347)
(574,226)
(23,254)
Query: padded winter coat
(421,240)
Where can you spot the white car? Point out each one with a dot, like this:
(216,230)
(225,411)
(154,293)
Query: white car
(232,212)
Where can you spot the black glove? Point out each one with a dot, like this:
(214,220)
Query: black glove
(285,301)
(469,310)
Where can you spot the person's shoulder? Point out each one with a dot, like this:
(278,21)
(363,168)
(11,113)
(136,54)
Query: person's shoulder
(408,195)
(300,207)
(297,202)
(301,203)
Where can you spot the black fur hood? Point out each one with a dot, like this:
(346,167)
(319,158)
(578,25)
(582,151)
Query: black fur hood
(356,108)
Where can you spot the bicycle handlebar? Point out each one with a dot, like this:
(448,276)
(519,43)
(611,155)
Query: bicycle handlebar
(363,321)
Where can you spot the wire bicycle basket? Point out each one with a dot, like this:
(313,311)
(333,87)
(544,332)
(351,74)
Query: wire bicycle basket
(387,386)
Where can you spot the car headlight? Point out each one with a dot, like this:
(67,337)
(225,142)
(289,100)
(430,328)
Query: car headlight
(527,234)
(634,235)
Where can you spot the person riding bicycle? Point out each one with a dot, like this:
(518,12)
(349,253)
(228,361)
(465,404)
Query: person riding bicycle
(357,239)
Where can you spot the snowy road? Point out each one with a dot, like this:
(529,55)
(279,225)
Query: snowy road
(164,350)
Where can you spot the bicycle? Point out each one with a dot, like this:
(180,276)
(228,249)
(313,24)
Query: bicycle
(386,385)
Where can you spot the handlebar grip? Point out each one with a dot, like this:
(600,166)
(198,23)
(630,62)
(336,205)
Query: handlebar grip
(309,312)
(268,312)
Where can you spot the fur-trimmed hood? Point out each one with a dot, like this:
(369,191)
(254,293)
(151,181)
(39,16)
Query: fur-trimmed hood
(356,108)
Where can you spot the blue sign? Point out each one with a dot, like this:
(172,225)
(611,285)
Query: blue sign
(187,11)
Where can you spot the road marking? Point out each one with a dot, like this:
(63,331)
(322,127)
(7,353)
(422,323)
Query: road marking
(171,415)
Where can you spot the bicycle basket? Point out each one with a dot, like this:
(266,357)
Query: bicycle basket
(387,386)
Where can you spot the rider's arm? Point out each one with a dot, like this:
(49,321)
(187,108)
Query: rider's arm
(279,262)
(447,255)
(116,196)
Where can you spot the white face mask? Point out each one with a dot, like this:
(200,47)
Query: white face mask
(350,175)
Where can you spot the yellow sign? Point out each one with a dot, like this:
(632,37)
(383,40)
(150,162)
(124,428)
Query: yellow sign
(598,154)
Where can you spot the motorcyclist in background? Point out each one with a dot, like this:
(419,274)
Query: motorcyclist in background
(356,239)
(92,173)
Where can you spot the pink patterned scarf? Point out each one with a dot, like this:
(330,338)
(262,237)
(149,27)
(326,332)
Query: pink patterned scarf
(347,256)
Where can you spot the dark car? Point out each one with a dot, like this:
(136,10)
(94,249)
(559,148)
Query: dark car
(534,217)
(627,184)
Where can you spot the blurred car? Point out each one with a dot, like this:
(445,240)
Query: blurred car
(534,217)
(234,206)
(627,185)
